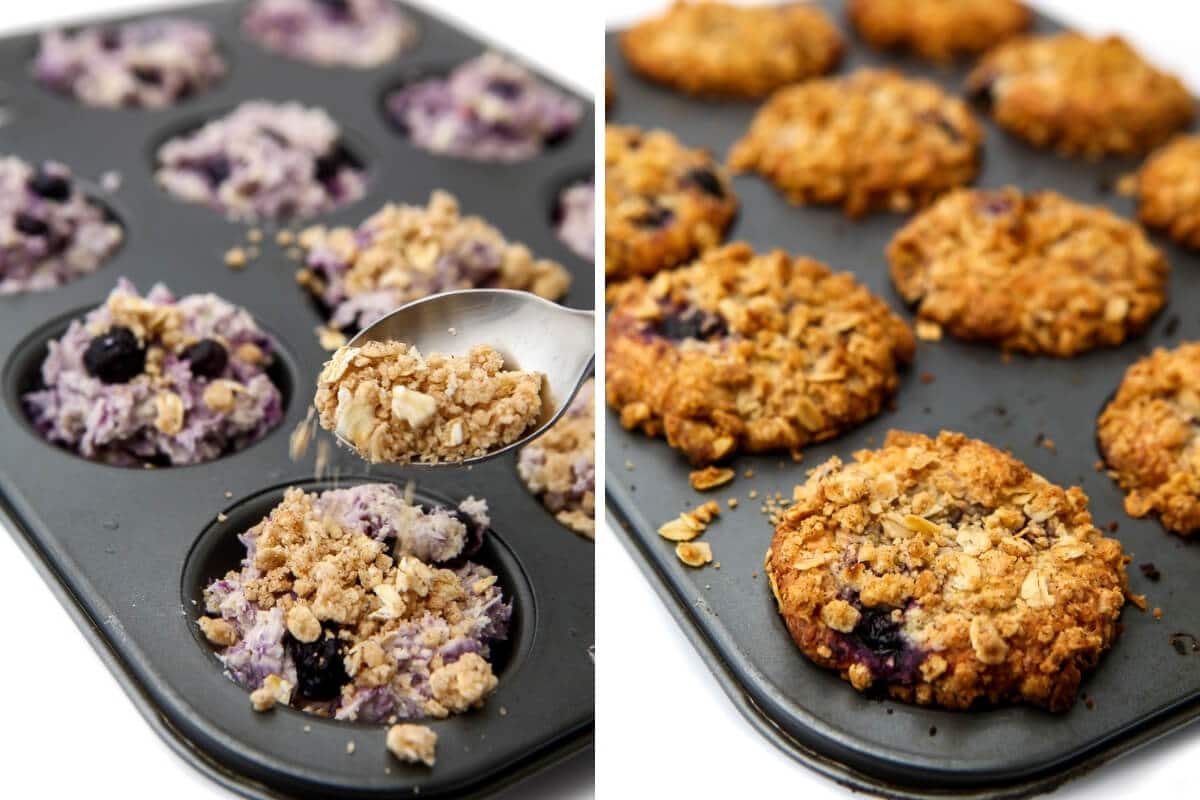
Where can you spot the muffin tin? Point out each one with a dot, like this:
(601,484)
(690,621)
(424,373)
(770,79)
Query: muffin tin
(1143,689)
(126,550)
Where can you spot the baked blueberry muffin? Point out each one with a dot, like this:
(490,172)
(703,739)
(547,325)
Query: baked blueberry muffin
(872,140)
(1168,190)
(361,605)
(1037,273)
(749,352)
(263,160)
(664,203)
(50,233)
(715,48)
(349,33)
(488,109)
(938,30)
(157,381)
(944,572)
(1150,436)
(150,63)
(1080,95)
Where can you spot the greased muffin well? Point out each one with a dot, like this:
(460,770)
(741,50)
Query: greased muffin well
(872,140)
(664,203)
(944,572)
(1080,95)
(1037,273)
(749,352)
(715,48)
(1150,436)
(1168,190)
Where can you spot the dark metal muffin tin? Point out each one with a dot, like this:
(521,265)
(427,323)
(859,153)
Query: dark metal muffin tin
(1142,689)
(127,550)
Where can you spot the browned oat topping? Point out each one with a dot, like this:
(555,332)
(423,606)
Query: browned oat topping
(948,573)
(690,524)
(936,29)
(751,352)
(1168,190)
(664,202)
(717,48)
(1150,437)
(710,478)
(1080,95)
(1037,273)
(415,744)
(394,405)
(694,554)
(868,141)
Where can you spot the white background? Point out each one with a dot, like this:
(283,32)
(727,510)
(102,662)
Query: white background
(68,730)
(664,725)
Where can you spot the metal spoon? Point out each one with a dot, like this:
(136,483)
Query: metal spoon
(530,332)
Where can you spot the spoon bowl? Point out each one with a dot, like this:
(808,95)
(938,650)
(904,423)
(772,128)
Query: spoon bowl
(530,332)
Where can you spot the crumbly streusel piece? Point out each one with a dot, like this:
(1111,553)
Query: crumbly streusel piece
(664,203)
(1079,95)
(559,467)
(936,29)
(1037,273)
(947,573)
(405,252)
(1168,190)
(751,352)
(395,405)
(715,48)
(1150,436)
(870,140)
(416,744)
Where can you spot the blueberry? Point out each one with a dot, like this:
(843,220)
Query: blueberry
(110,38)
(339,8)
(507,89)
(320,672)
(216,169)
(707,181)
(693,324)
(152,76)
(878,632)
(115,356)
(50,187)
(329,165)
(655,217)
(475,533)
(207,358)
(30,225)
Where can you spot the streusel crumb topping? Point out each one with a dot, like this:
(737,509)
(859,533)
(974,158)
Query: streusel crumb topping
(395,405)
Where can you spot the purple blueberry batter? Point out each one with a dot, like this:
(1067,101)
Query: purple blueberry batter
(157,380)
(488,109)
(149,63)
(263,160)
(576,216)
(352,33)
(50,233)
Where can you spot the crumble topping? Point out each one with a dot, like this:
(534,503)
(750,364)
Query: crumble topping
(560,465)
(394,405)
(405,252)
(364,604)
(413,743)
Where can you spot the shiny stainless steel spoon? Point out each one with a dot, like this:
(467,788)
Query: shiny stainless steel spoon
(530,332)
